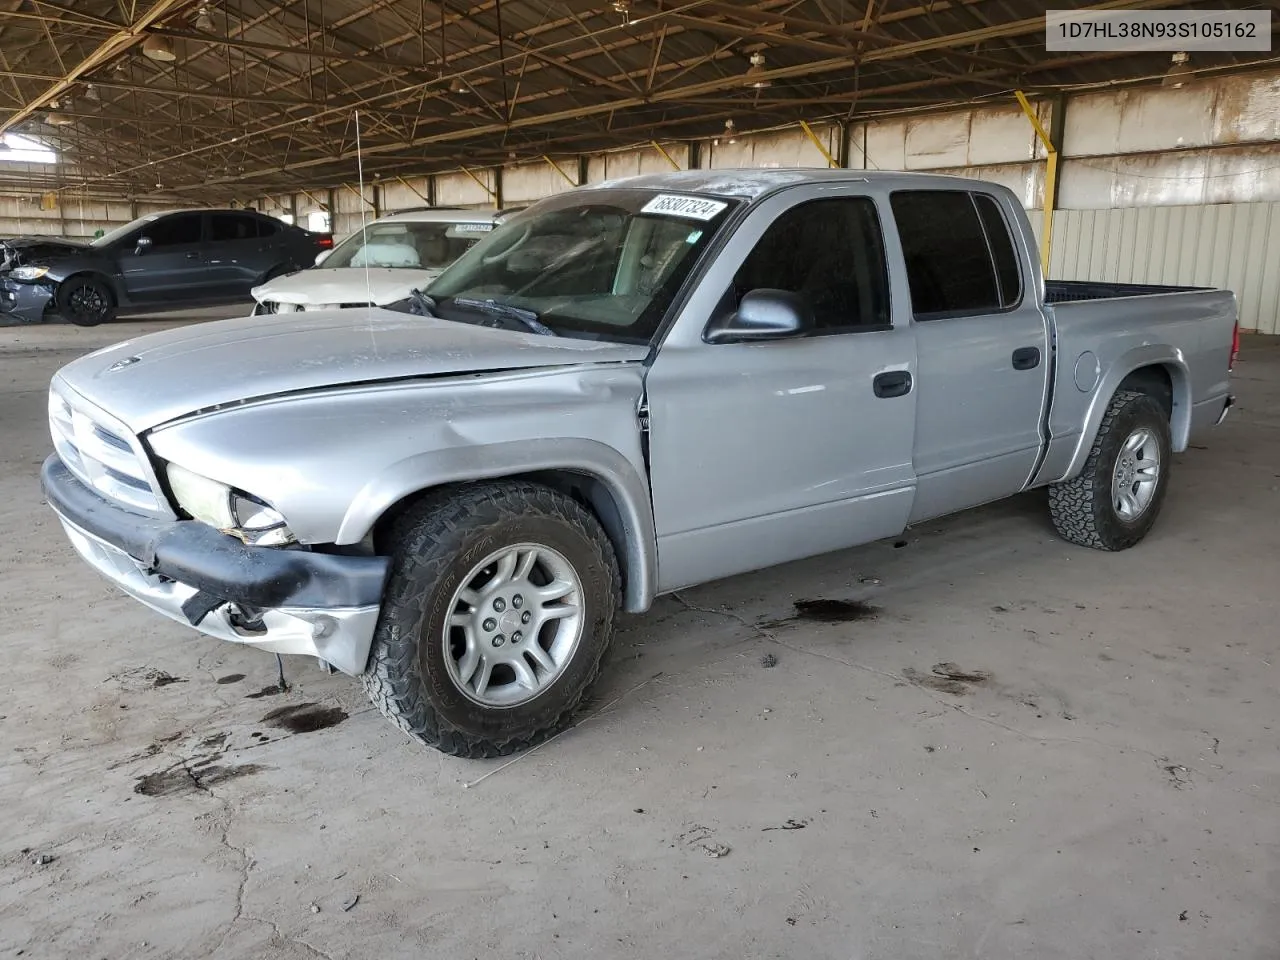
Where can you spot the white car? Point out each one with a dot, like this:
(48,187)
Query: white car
(379,265)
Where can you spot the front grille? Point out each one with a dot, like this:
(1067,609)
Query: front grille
(316,307)
(98,456)
(268,307)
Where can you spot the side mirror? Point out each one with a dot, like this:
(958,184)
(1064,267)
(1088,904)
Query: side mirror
(322,256)
(763,315)
(142,245)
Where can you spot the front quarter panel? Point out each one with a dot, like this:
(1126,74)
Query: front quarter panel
(101,267)
(332,462)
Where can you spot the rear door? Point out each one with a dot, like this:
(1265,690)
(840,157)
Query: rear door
(982,348)
(766,452)
(171,266)
(237,255)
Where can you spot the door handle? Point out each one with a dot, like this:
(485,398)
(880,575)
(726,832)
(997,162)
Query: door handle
(193,255)
(895,383)
(1026,358)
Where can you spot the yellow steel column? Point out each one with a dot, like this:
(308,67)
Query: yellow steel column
(560,170)
(670,159)
(817,142)
(493,194)
(1050,179)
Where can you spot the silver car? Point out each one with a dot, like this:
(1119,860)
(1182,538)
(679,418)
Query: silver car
(624,390)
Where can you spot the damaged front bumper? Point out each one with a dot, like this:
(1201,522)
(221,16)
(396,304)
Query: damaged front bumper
(23,302)
(278,600)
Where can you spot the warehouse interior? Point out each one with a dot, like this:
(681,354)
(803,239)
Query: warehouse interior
(998,746)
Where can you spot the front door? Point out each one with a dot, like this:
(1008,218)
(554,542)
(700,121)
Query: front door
(171,266)
(982,349)
(766,452)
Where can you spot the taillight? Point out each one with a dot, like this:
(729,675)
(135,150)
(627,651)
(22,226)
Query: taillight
(325,241)
(1235,347)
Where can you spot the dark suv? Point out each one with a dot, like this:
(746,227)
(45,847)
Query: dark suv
(162,261)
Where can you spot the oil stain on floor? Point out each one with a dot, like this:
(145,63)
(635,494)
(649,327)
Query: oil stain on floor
(827,611)
(272,691)
(947,678)
(180,780)
(305,717)
(835,611)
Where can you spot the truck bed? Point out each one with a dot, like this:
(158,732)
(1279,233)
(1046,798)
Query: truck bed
(1068,291)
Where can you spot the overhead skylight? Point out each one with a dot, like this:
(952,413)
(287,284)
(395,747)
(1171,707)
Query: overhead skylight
(15,148)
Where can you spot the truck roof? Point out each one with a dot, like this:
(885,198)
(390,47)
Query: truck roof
(750,183)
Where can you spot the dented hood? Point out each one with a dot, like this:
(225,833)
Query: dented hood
(162,376)
(325,285)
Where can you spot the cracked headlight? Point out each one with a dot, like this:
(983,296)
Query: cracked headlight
(231,511)
(28,273)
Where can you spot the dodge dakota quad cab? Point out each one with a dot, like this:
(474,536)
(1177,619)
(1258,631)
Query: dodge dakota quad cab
(623,390)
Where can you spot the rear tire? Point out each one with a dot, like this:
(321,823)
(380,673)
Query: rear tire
(498,611)
(85,301)
(1116,498)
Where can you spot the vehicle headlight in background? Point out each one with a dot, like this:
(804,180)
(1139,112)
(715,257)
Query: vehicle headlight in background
(28,273)
(239,514)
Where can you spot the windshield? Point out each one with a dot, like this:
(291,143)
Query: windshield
(603,264)
(112,235)
(402,243)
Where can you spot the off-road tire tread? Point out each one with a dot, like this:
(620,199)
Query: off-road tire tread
(436,524)
(1081,507)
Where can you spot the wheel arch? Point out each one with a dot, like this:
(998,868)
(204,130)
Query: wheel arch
(105,279)
(1160,372)
(598,477)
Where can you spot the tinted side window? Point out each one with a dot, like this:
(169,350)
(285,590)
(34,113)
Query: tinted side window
(1007,273)
(832,253)
(181,228)
(267,227)
(231,226)
(948,262)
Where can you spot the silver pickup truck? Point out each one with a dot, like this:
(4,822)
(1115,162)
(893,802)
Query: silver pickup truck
(624,390)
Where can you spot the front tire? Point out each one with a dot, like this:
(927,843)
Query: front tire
(1116,498)
(497,614)
(85,301)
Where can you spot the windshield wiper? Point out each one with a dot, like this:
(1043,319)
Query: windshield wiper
(527,318)
(421,305)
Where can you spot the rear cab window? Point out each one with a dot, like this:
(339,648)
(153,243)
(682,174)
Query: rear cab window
(959,253)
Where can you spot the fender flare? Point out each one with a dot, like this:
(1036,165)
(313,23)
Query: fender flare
(1150,355)
(632,531)
(105,279)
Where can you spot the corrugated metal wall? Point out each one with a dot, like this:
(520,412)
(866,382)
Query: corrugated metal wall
(1231,245)
(73,218)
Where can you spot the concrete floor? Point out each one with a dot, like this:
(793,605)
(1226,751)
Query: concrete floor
(1099,778)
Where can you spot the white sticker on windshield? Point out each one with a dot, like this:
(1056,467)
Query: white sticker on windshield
(694,208)
(472,227)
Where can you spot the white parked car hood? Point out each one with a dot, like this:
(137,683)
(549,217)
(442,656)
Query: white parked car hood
(330,286)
